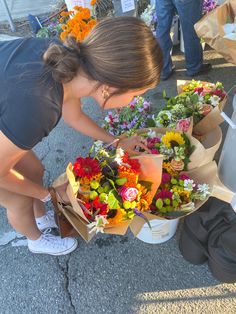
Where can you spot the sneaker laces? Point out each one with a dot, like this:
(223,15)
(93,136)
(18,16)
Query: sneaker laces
(52,241)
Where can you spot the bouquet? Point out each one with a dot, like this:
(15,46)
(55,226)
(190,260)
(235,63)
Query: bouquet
(175,147)
(77,23)
(109,189)
(128,119)
(196,100)
(177,194)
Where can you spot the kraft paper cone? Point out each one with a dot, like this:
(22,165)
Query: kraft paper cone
(206,174)
(210,29)
(210,121)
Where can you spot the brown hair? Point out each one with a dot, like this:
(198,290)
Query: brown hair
(119,51)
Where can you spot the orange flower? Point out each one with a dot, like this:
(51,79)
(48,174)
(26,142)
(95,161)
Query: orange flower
(93,2)
(77,8)
(86,14)
(92,23)
(65,13)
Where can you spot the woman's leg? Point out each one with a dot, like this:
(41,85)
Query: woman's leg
(32,168)
(20,213)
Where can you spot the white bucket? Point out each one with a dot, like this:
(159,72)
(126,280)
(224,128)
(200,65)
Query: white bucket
(81,3)
(161,231)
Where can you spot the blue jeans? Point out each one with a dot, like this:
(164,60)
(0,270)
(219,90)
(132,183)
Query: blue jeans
(189,11)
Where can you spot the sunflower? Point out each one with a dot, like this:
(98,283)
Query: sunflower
(119,217)
(172,139)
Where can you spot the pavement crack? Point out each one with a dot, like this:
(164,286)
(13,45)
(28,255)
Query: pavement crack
(65,270)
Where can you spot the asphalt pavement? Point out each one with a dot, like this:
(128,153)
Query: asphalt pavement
(111,274)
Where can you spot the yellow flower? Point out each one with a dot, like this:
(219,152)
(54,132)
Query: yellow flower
(168,168)
(172,139)
(142,205)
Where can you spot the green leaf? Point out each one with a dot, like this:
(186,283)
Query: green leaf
(150,123)
(112,200)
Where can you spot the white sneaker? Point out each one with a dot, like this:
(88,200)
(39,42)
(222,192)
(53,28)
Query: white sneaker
(52,245)
(47,221)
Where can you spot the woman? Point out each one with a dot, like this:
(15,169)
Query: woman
(42,81)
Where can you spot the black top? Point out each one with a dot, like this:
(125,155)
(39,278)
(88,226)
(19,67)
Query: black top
(30,100)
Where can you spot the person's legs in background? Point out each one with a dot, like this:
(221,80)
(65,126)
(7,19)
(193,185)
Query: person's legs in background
(190,12)
(165,11)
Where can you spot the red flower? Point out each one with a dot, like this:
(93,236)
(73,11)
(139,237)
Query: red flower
(219,93)
(152,141)
(86,167)
(133,163)
(166,177)
(102,207)
(198,90)
(183,177)
(164,194)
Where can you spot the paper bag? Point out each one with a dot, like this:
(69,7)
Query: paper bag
(210,29)
(212,119)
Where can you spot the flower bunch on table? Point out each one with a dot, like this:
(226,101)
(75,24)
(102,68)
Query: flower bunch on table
(77,23)
(135,116)
(197,99)
(110,191)
(177,195)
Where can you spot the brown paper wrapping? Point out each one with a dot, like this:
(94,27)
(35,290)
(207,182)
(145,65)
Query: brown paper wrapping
(206,174)
(151,170)
(210,28)
(210,121)
(204,151)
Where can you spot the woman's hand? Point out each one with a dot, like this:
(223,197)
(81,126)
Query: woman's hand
(61,192)
(132,144)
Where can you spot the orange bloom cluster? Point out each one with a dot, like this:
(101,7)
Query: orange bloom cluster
(79,24)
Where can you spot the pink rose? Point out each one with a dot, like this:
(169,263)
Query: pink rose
(128,194)
(183,125)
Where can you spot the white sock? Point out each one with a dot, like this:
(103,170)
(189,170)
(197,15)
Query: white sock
(41,220)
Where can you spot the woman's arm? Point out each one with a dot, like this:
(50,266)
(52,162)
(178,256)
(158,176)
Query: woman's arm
(78,120)
(74,116)
(10,179)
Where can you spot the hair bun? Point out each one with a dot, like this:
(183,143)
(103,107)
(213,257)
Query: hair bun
(63,61)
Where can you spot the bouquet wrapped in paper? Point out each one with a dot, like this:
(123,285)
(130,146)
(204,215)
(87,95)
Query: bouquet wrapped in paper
(182,194)
(197,106)
(207,103)
(180,150)
(107,190)
(218,30)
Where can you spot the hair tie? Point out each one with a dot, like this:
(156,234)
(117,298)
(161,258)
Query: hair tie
(74,51)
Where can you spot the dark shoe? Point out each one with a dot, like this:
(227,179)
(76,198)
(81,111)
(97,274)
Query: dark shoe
(206,67)
(164,78)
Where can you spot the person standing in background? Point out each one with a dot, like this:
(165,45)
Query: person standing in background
(189,11)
